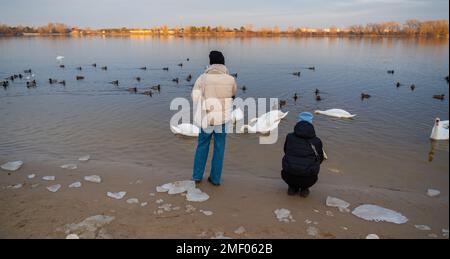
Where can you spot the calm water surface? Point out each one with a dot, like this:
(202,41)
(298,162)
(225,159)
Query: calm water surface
(389,136)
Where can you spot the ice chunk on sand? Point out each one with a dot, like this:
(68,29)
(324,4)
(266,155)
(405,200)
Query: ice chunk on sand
(160,201)
(54,188)
(15,187)
(91,227)
(196,195)
(372,236)
(12,166)
(329,213)
(312,231)
(48,178)
(93,179)
(220,235)
(207,212)
(116,195)
(445,233)
(433,192)
(72,236)
(75,185)
(190,208)
(160,189)
(240,230)
(69,166)
(31,176)
(376,213)
(284,215)
(84,158)
(152,194)
(422,227)
(143,204)
(132,201)
(338,203)
(166,207)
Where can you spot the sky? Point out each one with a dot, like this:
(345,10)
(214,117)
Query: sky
(231,13)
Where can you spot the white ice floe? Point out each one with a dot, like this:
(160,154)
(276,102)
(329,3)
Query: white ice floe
(143,204)
(159,201)
(72,236)
(69,166)
(75,185)
(284,215)
(54,188)
(338,203)
(84,158)
(207,212)
(48,178)
(372,236)
(376,213)
(90,228)
(240,230)
(179,187)
(422,227)
(133,201)
(31,176)
(12,166)
(59,58)
(15,186)
(433,192)
(220,235)
(93,179)
(116,195)
(166,207)
(312,231)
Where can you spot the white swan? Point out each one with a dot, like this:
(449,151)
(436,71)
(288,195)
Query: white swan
(266,123)
(186,129)
(440,130)
(338,113)
(237,115)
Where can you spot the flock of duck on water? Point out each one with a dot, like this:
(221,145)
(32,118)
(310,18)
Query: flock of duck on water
(264,124)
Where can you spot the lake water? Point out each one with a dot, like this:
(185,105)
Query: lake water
(386,142)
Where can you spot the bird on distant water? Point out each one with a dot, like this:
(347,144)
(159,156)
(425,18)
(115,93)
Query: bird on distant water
(413,87)
(391,72)
(365,96)
(297,73)
(295,97)
(439,97)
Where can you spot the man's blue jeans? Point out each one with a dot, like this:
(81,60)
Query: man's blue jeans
(201,155)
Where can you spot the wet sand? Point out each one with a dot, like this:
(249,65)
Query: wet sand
(242,200)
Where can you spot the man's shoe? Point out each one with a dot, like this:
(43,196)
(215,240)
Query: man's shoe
(304,193)
(215,184)
(292,191)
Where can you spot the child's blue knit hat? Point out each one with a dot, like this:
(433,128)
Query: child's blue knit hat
(305,116)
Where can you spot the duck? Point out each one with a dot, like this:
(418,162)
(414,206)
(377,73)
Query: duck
(237,115)
(297,73)
(105,68)
(337,113)
(446,78)
(398,84)
(5,84)
(79,68)
(189,78)
(180,65)
(185,129)
(365,96)
(235,75)
(148,93)
(312,68)
(440,130)
(132,89)
(94,65)
(439,97)
(156,88)
(188,59)
(31,84)
(176,80)
(317,92)
(115,82)
(391,72)
(63,82)
(266,123)
(318,98)
(80,77)
(413,87)
(52,81)
(138,79)
(11,78)
(165,68)
(295,97)
(27,71)
(143,68)
(62,66)
(20,76)
(244,88)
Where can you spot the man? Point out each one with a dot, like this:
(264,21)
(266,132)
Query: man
(213,102)
(303,156)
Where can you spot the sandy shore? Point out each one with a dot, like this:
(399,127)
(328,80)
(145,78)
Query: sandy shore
(243,200)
